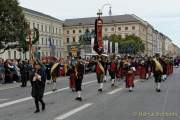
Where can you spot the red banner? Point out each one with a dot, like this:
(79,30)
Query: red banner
(98,42)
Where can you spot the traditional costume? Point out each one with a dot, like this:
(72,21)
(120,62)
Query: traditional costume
(79,69)
(54,74)
(130,71)
(100,74)
(157,71)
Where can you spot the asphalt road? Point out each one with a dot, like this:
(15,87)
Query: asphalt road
(144,103)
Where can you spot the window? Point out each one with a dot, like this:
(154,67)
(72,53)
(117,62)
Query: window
(42,53)
(119,28)
(53,41)
(56,30)
(56,42)
(34,25)
(14,54)
(46,28)
(68,32)
(42,41)
(53,30)
(126,28)
(80,31)
(74,31)
(41,27)
(74,39)
(67,40)
(49,29)
(112,29)
(38,26)
(133,27)
(46,41)
(46,53)
(106,29)
(59,31)
(9,54)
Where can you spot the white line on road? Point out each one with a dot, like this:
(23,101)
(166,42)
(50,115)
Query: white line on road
(68,114)
(29,98)
(118,89)
(114,91)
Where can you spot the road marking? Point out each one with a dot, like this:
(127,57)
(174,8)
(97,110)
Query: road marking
(68,114)
(114,91)
(29,98)
(118,89)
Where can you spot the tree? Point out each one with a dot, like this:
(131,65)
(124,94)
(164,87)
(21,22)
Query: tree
(131,44)
(14,28)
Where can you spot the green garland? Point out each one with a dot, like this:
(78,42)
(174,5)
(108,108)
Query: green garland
(35,36)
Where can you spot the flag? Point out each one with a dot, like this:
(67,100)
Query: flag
(52,47)
(110,47)
(116,47)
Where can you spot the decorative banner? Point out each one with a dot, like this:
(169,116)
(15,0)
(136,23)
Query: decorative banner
(116,47)
(98,42)
(110,47)
(105,46)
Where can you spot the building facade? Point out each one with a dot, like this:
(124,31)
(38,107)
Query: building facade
(50,31)
(65,35)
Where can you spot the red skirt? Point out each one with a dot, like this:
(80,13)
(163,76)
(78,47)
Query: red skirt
(142,73)
(119,73)
(129,80)
(72,81)
(168,69)
(137,70)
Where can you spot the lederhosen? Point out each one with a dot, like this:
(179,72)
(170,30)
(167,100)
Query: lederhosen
(80,72)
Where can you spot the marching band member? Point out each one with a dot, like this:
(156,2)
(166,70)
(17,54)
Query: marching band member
(99,73)
(54,74)
(79,75)
(112,70)
(142,69)
(130,69)
(157,71)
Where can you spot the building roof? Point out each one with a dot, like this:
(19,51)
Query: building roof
(106,20)
(40,14)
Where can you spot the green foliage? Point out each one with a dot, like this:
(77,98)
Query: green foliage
(130,44)
(14,28)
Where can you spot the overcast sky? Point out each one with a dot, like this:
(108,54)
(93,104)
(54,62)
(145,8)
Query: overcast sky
(164,15)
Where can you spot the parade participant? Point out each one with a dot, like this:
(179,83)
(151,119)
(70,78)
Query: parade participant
(164,62)
(48,71)
(54,74)
(2,71)
(72,78)
(105,66)
(148,67)
(142,69)
(79,74)
(38,86)
(99,73)
(130,69)
(112,70)
(157,71)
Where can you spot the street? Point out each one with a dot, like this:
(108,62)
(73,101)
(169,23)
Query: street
(144,103)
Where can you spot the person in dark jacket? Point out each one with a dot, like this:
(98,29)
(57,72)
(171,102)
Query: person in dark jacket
(79,73)
(38,86)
